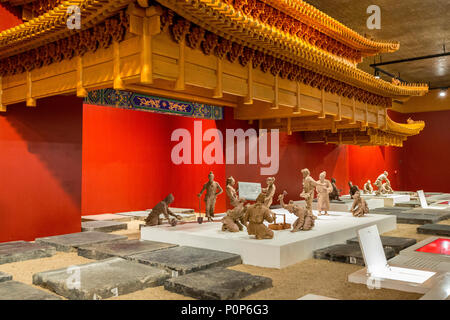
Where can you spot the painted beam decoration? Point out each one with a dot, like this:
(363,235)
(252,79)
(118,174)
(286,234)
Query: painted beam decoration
(136,101)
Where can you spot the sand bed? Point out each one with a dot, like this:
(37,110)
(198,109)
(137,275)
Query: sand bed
(319,277)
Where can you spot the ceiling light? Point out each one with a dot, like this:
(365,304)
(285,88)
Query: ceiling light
(443,93)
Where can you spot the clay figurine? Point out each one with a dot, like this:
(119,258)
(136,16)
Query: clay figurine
(383,184)
(353,189)
(334,195)
(162,207)
(323,198)
(211,188)
(269,191)
(305,221)
(309,185)
(234,220)
(359,207)
(255,216)
(368,189)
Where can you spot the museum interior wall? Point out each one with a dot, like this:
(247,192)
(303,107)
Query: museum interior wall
(40,169)
(10,16)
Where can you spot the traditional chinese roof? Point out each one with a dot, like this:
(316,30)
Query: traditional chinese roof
(307,13)
(52,25)
(222,19)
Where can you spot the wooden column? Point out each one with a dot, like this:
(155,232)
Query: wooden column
(81,92)
(297,109)
(118,83)
(276,98)
(339,116)
(289,126)
(31,102)
(180,84)
(249,98)
(218,90)
(151,25)
(322,98)
(353,111)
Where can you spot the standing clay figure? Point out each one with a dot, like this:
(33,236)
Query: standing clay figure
(162,207)
(353,189)
(269,191)
(379,184)
(305,220)
(211,188)
(234,219)
(255,216)
(368,189)
(359,207)
(323,199)
(309,185)
(334,195)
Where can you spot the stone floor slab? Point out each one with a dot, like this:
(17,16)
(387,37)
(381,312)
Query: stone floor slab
(121,249)
(217,284)
(347,253)
(100,279)
(14,290)
(5,277)
(136,215)
(396,243)
(103,226)
(414,216)
(70,242)
(435,229)
(183,260)
(106,217)
(22,250)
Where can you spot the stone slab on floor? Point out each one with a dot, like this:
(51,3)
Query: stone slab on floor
(396,243)
(347,253)
(410,204)
(136,215)
(435,229)
(121,249)
(178,210)
(103,226)
(106,217)
(5,277)
(183,260)
(70,242)
(22,250)
(217,284)
(101,279)
(14,290)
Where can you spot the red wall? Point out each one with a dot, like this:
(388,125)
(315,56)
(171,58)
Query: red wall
(40,169)
(9,16)
(127,162)
(425,158)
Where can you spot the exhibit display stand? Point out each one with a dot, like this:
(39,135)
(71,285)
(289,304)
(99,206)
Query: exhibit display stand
(379,274)
(384,200)
(424,203)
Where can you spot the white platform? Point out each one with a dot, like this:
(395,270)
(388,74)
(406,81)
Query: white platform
(410,258)
(315,297)
(106,217)
(389,200)
(345,206)
(286,248)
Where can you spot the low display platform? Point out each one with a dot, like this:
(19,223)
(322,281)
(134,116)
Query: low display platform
(430,254)
(389,200)
(345,205)
(286,248)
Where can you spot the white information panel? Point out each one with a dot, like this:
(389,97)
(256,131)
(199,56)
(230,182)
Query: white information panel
(424,203)
(249,190)
(375,259)
(423,200)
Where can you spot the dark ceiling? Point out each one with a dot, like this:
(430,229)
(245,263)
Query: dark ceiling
(421,26)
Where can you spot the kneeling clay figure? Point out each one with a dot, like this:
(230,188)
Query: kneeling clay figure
(359,207)
(255,216)
(162,207)
(305,220)
(234,220)
(334,195)
(353,189)
(368,189)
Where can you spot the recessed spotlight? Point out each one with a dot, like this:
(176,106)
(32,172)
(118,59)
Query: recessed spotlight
(443,93)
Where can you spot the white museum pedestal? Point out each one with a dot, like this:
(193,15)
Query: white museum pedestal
(286,248)
(388,200)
